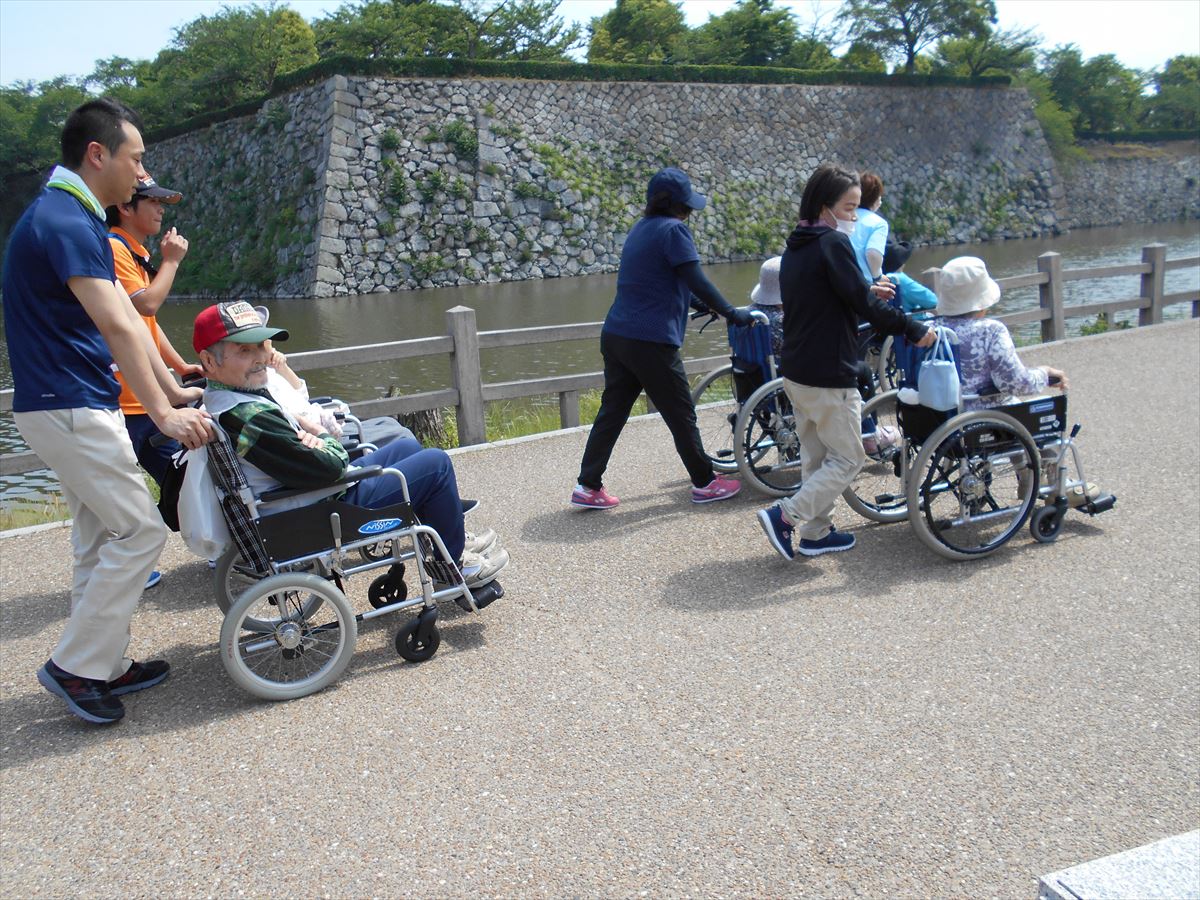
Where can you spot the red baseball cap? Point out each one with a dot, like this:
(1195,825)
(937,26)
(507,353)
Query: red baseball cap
(238,322)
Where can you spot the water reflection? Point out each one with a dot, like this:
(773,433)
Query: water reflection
(375,318)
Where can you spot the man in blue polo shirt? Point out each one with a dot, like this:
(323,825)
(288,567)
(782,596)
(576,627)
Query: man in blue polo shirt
(67,322)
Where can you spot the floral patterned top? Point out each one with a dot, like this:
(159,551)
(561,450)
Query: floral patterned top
(989,362)
(775,314)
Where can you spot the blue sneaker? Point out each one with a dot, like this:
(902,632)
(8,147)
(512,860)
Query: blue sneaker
(153,580)
(778,529)
(833,542)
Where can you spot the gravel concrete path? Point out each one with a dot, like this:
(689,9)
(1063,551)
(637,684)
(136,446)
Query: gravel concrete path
(661,705)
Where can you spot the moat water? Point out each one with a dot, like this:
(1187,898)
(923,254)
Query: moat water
(374,318)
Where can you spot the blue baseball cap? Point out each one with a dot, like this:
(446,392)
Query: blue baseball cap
(675,183)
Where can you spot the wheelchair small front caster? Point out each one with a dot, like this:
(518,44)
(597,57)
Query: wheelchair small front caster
(419,639)
(388,588)
(1045,523)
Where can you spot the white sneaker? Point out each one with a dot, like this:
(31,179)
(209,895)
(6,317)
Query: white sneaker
(479,541)
(478,569)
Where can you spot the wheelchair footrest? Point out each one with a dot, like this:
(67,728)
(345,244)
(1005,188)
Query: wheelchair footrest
(484,596)
(1100,504)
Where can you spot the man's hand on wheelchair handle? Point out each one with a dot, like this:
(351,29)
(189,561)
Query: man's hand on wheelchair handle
(741,317)
(883,288)
(191,427)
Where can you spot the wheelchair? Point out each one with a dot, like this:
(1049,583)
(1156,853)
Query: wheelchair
(289,629)
(745,418)
(969,481)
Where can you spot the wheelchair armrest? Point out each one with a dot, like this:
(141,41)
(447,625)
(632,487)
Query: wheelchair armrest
(352,476)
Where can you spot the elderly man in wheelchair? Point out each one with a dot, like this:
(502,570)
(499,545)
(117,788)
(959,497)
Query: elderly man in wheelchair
(295,505)
(969,472)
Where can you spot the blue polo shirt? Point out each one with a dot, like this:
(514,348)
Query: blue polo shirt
(59,360)
(870,233)
(651,302)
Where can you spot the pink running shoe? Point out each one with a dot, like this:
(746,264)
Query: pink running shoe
(720,488)
(592,499)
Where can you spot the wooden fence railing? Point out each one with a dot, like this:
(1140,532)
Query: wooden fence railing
(469,393)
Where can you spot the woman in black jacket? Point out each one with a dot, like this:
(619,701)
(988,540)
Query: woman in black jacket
(825,296)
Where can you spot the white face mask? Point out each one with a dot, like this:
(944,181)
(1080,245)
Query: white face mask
(845,226)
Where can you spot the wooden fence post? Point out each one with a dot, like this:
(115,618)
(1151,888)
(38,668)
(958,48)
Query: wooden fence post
(568,409)
(1152,284)
(468,376)
(1050,296)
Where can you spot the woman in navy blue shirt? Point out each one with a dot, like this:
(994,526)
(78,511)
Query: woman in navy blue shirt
(640,341)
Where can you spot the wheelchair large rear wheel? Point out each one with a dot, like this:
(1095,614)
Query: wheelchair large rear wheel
(716,410)
(878,490)
(887,372)
(290,635)
(973,485)
(233,577)
(765,443)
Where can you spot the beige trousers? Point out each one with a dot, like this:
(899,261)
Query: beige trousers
(117,537)
(829,426)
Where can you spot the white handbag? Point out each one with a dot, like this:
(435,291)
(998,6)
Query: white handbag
(201,524)
(937,377)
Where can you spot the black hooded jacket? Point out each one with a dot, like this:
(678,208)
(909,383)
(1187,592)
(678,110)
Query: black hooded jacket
(825,296)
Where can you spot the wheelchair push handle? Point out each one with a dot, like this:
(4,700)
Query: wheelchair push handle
(189,381)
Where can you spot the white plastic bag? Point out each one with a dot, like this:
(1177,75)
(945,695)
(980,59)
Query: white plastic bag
(937,378)
(201,524)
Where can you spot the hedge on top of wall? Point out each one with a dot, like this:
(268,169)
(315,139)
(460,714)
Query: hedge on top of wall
(427,67)
(1144,136)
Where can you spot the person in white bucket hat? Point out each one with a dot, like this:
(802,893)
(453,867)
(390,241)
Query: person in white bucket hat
(991,368)
(765,298)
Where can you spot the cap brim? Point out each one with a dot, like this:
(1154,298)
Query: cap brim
(258,335)
(162,194)
(696,201)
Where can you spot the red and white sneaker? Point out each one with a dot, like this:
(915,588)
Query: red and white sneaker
(588,498)
(720,488)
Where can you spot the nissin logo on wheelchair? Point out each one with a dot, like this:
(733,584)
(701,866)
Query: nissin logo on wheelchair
(379,526)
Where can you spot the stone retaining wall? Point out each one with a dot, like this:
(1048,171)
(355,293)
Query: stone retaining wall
(376,184)
(1134,184)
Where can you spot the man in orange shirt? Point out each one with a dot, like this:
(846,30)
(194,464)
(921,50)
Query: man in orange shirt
(130,226)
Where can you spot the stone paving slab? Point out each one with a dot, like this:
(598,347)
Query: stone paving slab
(661,704)
(1168,869)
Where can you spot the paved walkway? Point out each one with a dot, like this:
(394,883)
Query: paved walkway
(661,704)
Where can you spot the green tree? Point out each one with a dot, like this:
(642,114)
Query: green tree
(379,29)
(815,39)
(31,120)
(992,53)
(639,31)
(529,29)
(901,29)
(1099,94)
(1056,123)
(862,57)
(752,33)
(219,60)
(808,53)
(1176,101)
